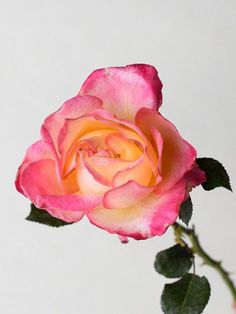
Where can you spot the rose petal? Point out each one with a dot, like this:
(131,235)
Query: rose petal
(194,177)
(124,90)
(74,129)
(37,151)
(178,155)
(89,180)
(139,171)
(71,109)
(41,185)
(158,140)
(69,183)
(126,195)
(168,210)
(66,215)
(147,218)
(47,139)
(104,169)
(40,177)
(100,121)
(126,149)
(130,131)
(76,203)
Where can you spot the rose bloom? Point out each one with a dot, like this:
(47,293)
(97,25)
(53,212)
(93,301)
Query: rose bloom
(109,154)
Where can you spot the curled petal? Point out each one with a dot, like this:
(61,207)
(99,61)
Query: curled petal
(40,178)
(139,171)
(130,131)
(74,129)
(124,90)
(104,169)
(126,149)
(71,109)
(158,140)
(41,185)
(126,195)
(89,179)
(35,152)
(47,139)
(147,218)
(178,156)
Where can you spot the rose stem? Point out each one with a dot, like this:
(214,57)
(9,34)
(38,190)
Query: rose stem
(197,248)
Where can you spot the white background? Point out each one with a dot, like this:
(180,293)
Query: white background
(47,49)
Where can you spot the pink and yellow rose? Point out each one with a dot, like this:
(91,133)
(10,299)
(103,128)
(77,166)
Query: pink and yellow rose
(109,154)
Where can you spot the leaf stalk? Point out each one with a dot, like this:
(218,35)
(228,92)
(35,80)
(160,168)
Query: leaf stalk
(197,248)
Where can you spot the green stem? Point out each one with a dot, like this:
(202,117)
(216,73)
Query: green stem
(179,230)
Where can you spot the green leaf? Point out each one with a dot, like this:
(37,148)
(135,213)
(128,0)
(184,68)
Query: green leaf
(173,262)
(43,217)
(186,211)
(188,295)
(215,173)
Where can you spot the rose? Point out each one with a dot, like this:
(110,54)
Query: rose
(110,155)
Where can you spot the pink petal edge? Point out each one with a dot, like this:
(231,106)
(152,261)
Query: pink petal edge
(126,195)
(150,217)
(71,109)
(124,90)
(178,156)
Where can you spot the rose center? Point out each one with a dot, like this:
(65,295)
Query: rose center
(107,157)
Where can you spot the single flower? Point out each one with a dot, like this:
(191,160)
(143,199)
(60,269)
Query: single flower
(109,154)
